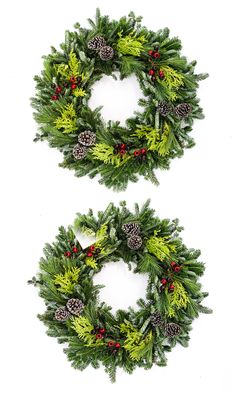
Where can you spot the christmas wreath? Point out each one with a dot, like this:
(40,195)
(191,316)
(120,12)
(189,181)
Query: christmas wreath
(153,136)
(75,315)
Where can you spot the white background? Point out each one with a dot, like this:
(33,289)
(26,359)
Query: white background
(37,197)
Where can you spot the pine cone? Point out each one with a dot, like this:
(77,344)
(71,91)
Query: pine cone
(96,43)
(164,108)
(106,53)
(134,242)
(62,314)
(79,152)
(87,138)
(131,228)
(75,306)
(156,319)
(183,110)
(172,329)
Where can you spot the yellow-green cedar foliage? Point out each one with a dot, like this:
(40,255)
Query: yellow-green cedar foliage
(67,120)
(65,282)
(161,247)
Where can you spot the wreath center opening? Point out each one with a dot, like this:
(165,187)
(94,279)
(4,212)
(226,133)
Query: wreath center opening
(122,287)
(119,98)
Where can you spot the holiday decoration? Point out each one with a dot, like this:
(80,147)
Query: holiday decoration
(87,138)
(134,242)
(62,314)
(156,319)
(183,110)
(131,228)
(153,136)
(164,108)
(75,306)
(92,333)
(106,53)
(79,152)
(96,43)
(172,329)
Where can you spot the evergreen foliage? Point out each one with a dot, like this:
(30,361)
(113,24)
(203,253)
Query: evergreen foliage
(65,282)
(128,338)
(65,86)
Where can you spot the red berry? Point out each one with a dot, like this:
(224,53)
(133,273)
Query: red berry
(92,248)
(173,264)
(73,86)
(122,146)
(67,254)
(177,269)
(89,254)
(54,97)
(150,52)
(122,151)
(171,288)
(151,72)
(73,79)
(75,249)
(144,151)
(111,344)
(161,74)
(117,345)
(99,336)
(164,281)
(156,55)
(58,89)
(102,330)
(136,153)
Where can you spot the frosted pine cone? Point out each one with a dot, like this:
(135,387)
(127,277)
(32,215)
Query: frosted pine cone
(79,152)
(164,108)
(87,138)
(172,329)
(75,306)
(131,228)
(106,53)
(62,314)
(96,43)
(156,319)
(183,110)
(134,242)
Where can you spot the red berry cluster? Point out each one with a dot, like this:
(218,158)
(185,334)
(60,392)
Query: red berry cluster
(58,91)
(167,282)
(74,82)
(175,267)
(141,153)
(101,333)
(113,346)
(93,251)
(153,56)
(154,53)
(74,250)
(120,148)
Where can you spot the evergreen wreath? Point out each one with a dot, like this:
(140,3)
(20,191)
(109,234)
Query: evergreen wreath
(127,339)
(153,136)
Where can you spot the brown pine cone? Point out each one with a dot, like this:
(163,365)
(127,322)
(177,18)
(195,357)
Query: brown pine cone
(75,306)
(79,152)
(87,138)
(62,314)
(106,53)
(172,329)
(96,43)
(134,242)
